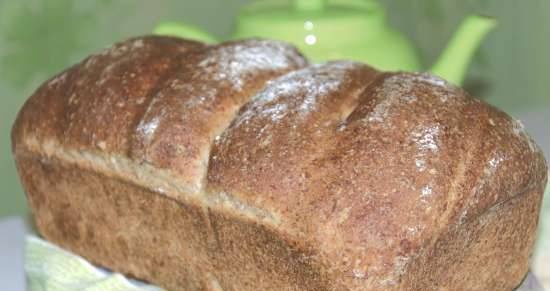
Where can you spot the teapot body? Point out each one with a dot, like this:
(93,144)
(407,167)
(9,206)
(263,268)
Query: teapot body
(346,29)
(338,32)
(388,51)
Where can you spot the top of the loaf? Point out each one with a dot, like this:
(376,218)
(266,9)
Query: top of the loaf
(362,165)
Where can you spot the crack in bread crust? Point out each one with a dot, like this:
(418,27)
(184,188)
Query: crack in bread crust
(144,175)
(130,229)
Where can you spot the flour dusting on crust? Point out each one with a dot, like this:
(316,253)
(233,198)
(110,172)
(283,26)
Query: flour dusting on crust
(312,82)
(233,64)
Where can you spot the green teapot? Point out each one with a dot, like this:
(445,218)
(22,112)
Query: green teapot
(345,29)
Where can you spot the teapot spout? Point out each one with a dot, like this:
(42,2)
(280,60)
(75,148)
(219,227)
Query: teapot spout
(455,59)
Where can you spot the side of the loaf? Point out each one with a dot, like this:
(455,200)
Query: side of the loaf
(240,167)
(136,231)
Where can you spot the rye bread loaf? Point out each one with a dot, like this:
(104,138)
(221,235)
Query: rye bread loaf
(240,166)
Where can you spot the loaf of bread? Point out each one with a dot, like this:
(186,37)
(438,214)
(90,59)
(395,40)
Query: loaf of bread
(242,167)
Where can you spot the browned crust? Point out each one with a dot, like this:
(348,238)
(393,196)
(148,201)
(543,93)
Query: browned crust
(371,172)
(374,187)
(157,100)
(95,103)
(133,230)
(497,245)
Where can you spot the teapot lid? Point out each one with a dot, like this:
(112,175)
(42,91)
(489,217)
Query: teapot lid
(311,20)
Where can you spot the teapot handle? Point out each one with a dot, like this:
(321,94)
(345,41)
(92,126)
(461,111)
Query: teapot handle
(184,30)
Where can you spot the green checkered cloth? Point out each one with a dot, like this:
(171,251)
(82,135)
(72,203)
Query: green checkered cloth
(50,268)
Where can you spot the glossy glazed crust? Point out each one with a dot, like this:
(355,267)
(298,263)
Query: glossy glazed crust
(365,173)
